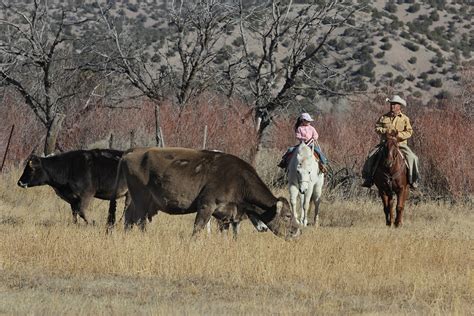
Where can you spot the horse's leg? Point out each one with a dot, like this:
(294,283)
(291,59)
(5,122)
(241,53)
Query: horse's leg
(316,198)
(302,201)
(306,204)
(386,200)
(401,198)
(293,199)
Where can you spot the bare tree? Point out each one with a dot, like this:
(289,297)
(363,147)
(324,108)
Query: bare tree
(39,62)
(282,50)
(180,69)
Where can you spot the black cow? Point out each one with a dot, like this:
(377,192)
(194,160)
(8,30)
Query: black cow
(77,176)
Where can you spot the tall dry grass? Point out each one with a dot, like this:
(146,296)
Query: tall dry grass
(351,264)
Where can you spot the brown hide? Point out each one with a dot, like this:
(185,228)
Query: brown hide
(182,181)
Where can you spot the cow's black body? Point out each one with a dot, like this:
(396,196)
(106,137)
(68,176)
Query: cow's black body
(77,176)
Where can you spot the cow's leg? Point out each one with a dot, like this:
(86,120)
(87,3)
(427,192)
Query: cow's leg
(293,199)
(235,228)
(78,207)
(203,216)
(83,204)
(128,216)
(74,208)
(140,207)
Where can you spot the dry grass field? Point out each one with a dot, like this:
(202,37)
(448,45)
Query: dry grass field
(351,264)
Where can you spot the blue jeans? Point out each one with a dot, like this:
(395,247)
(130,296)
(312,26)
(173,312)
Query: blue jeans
(322,157)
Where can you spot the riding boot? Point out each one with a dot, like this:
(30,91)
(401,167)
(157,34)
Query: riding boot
(283,163)
(368,182)
(322,167)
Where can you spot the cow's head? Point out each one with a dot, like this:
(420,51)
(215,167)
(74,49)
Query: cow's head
(33,174)
(283,223)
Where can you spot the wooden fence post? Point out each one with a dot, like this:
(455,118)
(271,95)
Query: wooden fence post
(8,146)
(205,138)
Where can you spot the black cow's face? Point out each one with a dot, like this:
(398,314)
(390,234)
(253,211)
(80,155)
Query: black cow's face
(33,174)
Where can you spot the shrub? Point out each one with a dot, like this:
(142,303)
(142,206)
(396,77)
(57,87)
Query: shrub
(438,60)
(434,16)
(423,75)
(411,46)
(405,35)
(399,79)
(417,94)
(366,69)
(376,14)
(386,46)
(391,7)
(379,55)
(412,60)
(443,95)
(432,71)
(414,8)
(410,77)
(437,83)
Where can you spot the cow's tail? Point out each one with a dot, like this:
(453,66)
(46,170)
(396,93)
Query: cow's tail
(113,198)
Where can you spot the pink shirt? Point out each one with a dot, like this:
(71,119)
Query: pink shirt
(306,133)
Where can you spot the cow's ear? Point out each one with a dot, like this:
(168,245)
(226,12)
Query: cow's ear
(279,207)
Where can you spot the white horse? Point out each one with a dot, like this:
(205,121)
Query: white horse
(306,180)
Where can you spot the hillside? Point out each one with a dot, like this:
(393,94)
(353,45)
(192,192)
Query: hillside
(414,47)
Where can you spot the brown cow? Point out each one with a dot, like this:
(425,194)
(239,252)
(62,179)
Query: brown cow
(183,181)
(77,176)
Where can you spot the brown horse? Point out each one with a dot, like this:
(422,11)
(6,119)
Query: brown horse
(391,178)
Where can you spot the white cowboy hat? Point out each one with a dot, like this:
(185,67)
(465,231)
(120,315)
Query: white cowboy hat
(396,99)
(306,117)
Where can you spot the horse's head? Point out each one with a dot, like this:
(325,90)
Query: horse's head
(391,148)
(306,166)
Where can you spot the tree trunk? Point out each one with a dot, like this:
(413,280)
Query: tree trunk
(52,134)
(158,136)
(262,122)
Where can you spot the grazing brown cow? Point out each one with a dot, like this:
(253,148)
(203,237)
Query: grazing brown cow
(183,181)
(77,177)
(391,178)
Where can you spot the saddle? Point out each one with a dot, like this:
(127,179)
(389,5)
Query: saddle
(285,160)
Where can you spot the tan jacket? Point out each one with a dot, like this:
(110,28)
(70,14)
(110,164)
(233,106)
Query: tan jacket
(400,122)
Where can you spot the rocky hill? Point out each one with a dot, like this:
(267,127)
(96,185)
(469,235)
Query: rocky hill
(413,47)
